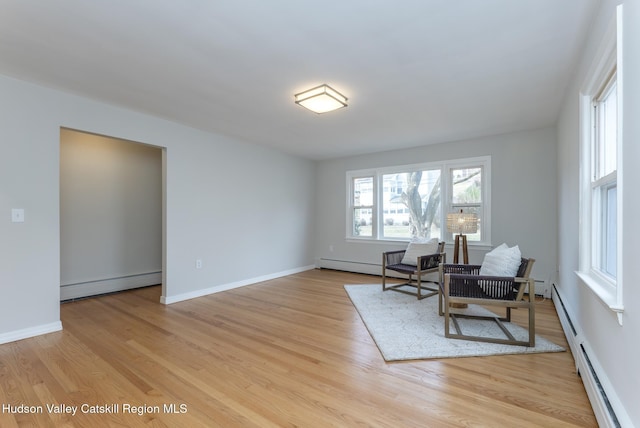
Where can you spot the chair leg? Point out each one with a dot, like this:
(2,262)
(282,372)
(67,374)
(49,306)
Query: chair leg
(384,270)
(440,285)
(446,307)
(509,340)
(446,321)
(532,322)
(410,286)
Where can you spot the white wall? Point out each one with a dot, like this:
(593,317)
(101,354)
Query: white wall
(29,251)
(614,349)
(110,214)
(245,210)
(523,198)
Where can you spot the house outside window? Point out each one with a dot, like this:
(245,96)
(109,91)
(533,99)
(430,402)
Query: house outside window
(411,201)
(362,206)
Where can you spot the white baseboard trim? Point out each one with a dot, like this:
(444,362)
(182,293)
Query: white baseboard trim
(607,407)
(110,285)
(167,300)
(26,333)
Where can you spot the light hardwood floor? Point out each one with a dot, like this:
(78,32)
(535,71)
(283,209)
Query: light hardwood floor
(290,352)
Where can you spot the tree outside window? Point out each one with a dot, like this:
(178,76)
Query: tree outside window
(409,202)
(411,206)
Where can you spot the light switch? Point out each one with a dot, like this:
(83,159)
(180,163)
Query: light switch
(17,215)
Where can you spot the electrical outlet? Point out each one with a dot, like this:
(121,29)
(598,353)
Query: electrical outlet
(17,215)
(199,264)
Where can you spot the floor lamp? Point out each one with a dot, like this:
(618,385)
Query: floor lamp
(461,223)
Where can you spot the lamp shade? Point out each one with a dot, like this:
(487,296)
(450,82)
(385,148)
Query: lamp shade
(460,222)
(321,99)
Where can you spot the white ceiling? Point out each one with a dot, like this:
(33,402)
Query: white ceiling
(416,72)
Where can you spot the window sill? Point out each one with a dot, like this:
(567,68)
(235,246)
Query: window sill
(351,239)
(605,292)
(471,244)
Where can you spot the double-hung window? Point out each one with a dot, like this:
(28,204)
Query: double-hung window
(604,180)
(362,206)
(601,132)
(467,194)
(411,201)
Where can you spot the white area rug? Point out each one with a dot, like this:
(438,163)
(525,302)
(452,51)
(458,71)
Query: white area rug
(405,328)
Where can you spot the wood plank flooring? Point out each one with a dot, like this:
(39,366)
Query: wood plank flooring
(290,352)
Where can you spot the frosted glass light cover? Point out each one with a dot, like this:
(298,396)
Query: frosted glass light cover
(321,99)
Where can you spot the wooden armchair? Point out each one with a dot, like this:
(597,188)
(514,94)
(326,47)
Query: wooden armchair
(463,284)
(428,263)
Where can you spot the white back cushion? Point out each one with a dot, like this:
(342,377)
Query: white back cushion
(501,261)
(419,248)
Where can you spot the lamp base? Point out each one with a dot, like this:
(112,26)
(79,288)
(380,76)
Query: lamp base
(456,249)
(465,258)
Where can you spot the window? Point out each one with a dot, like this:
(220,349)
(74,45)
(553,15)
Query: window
(604,179)
(362,207)
(601,132)
(408,199)
(466,195)
(404,202)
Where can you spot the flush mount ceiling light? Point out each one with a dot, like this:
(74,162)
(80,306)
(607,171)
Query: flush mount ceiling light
(321,99)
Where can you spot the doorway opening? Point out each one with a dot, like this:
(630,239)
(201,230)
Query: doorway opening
(112,204)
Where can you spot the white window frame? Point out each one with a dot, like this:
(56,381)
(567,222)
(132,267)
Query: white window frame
(608,63)
(484,210)
(445,168)
(351,207)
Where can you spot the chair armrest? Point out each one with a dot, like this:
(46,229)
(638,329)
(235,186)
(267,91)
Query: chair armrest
(461,269)
(393,257)
(431,261)
(521,284)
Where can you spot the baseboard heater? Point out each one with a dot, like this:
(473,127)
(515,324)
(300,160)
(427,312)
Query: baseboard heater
(601,391)
(602,408)
(108,285)
(351,266)
(358,267)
